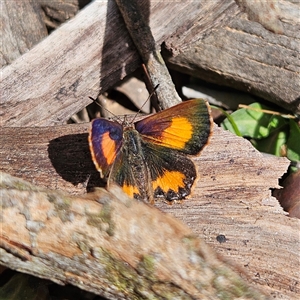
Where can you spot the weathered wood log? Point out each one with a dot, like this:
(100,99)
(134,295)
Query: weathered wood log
(58,157)
(93,51)
(232,197)
(247,55)
(109,244)
(22,28)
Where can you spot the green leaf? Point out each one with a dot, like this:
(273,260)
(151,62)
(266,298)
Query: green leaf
(230,120)
(273,144)
(254,123)
(293,142)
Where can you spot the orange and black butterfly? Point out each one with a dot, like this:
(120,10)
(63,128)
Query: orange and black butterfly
(149,158)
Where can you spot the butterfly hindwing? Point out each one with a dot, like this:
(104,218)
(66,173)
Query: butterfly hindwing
(130,169)
(123,175)
(172,173)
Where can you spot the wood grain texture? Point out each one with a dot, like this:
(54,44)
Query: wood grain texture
(61,159)
(246,55)
(232,196)
(65,68)
(138,27)
(22,27)
(93,51)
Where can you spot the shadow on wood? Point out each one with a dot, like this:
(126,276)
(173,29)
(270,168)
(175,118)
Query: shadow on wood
(70,157)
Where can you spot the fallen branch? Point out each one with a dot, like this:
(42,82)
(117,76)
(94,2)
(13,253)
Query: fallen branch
(137,24)
(110,245)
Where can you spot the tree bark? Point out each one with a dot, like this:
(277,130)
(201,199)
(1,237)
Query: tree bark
(247,55)
(109,244)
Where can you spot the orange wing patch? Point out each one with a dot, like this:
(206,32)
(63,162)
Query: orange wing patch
(130,190)
(108,148)
(178,133)
(172,180)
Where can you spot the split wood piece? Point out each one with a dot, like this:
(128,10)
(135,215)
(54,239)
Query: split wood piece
(246,53)
(93,51)
(22,28)
(109,244)
(57,12)
(136,20)
(232,196)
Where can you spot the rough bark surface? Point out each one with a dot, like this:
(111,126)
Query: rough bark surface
(248,55)
(109,244)
(22,27)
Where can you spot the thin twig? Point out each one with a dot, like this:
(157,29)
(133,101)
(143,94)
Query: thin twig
(140,31)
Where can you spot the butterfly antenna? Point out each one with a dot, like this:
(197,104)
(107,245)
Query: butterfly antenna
(150,95)
(117,117)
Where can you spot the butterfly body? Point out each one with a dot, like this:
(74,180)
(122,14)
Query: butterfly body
(149,158)
(133,175)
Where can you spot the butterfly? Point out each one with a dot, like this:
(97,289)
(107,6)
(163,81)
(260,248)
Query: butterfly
(149,158)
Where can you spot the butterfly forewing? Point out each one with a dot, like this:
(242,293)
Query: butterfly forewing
(185,127)
(105,140)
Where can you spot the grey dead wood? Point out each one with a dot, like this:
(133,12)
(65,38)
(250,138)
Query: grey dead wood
(232,196)
(246,54)
(213,40)
(56,12)
(22,27)
(109,244)
(24,24)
